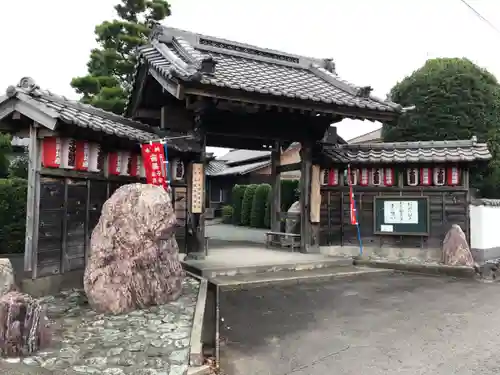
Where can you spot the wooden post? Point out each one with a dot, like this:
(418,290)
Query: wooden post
(276,192)
(33,202)
(305,196)
(195,248)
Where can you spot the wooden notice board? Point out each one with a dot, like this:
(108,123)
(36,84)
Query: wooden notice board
(401,215)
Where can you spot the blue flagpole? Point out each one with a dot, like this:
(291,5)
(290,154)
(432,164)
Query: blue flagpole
(167,166)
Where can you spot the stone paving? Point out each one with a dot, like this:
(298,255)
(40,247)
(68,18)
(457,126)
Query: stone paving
(154,341)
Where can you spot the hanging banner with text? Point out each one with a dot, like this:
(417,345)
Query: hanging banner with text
(154,164)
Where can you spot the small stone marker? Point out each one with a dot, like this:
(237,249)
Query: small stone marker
(7,282)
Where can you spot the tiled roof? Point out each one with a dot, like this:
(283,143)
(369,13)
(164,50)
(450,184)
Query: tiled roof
(64,110)
(374,136)
(214,167)
(238,170)
(178,54)
(410,152)
(238,156)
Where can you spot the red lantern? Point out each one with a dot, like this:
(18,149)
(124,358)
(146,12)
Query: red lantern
(353,178)
(324,177)
(333,177)
(125,160)
(388,176)
(439,176)
(426,176)
(94,156)
(412,176)
(134,165)
(364,177)
(51,152)
(114,163)
(453,177)
(376,176)
(68,159)
(82,155)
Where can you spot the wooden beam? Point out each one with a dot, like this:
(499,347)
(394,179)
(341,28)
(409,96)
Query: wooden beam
(290,167)
(284,102)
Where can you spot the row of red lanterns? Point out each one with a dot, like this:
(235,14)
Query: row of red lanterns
(67,153)
(438,176)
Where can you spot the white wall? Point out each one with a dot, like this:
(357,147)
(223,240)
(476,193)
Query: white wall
(484,226)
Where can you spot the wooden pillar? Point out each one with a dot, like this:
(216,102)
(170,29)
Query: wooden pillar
(305,196)
(276,191)
(195,240)
(315,204)
(33,202)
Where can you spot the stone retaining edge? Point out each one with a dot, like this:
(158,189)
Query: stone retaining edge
(196,358)
(428,269)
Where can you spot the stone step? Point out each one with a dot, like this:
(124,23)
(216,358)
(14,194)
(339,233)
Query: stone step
(247,281)
(299,265)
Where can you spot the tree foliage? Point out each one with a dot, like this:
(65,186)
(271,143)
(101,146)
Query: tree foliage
(453,99)
(111,64)
(5,150)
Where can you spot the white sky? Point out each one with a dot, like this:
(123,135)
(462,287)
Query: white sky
(373,42)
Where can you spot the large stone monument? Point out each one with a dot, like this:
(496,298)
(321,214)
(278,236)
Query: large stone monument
(133,260)
(456,251)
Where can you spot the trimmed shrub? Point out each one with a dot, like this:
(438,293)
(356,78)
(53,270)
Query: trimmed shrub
(259,203)
(13,194)
(236,201)
(289,190)
(267,215)
(246,205)
(227,214)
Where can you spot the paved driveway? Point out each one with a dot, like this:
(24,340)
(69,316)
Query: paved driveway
(397,324)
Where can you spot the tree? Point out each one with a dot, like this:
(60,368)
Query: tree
(453,99)
(257,217)
(5,150)
(111,66)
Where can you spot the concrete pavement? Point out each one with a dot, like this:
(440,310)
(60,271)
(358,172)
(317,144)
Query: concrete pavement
(399,324)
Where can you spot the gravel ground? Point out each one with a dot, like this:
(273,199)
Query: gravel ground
(397,324)
(153,341)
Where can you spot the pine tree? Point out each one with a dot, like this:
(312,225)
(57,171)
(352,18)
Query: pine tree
(111,65)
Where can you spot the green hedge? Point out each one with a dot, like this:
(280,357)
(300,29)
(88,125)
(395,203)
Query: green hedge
(246,205)
(259,204)
(13,193)
(227,214)
(236,201)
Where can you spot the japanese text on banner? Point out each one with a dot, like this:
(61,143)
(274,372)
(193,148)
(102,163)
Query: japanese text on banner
(154,164)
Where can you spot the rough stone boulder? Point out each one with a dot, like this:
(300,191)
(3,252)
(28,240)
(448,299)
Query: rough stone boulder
(23,325)
(7,282)
(456,250)
(134,260)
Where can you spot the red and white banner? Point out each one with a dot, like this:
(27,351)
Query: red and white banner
(352,203)
(154,164)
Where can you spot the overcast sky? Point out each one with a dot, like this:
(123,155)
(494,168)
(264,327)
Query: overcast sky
(373,42)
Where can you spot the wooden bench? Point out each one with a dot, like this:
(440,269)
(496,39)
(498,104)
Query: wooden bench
(294,243)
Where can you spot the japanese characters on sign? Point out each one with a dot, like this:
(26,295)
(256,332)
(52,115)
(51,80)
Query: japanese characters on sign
(401,212)
(154,164)
(197,188)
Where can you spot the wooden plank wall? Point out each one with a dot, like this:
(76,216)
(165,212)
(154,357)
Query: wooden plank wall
(447,207)
(69,211)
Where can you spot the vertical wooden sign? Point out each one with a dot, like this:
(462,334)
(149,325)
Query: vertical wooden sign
(315,194)
(197,188)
